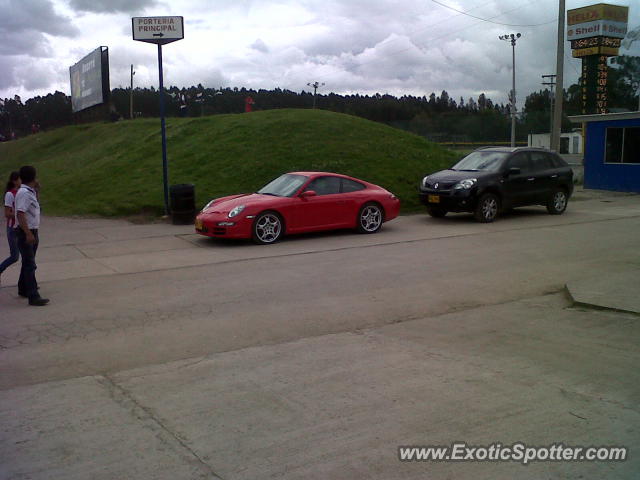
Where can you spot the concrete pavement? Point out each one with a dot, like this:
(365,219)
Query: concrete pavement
(338,406)
(167,355)
(79,248)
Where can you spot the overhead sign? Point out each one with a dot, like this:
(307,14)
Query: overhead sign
(600,11)
(159,30)
(583,52)
(597,28)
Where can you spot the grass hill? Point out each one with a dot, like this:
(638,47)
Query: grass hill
(116,168)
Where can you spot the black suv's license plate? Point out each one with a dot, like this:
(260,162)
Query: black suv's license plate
(433,199)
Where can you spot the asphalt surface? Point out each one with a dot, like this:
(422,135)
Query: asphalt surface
(164,354)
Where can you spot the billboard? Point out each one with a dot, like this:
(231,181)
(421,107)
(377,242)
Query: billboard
(90,80)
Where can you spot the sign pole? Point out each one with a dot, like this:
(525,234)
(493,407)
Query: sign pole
(165,168)
(159,30)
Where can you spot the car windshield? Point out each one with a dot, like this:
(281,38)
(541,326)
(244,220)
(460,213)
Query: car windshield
(481,160)
(283,186)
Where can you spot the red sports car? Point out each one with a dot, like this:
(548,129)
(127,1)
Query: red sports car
(299,202)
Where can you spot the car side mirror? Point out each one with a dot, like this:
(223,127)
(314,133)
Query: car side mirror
(513,171)
(308,193)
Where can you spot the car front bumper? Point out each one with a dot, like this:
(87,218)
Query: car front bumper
(220,226)
(450,200)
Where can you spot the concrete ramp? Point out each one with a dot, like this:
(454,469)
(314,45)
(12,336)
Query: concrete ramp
(619,291)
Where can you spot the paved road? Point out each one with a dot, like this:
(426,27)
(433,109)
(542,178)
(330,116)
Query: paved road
(429,332)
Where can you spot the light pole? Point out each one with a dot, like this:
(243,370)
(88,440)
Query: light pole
(512,38)
(558,104)
(315,86)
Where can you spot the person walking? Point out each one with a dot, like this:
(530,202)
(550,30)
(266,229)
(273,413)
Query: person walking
(9,212)
(28,220)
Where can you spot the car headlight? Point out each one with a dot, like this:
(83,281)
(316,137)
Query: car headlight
(235,211)
(424,182)
(465,184)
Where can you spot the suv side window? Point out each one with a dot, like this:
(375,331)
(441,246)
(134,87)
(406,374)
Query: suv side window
(325,185)
(541,161)
(521,161)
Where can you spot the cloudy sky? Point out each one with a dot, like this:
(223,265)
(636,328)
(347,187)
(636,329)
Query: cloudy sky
(353,46)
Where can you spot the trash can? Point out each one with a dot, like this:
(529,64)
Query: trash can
(182,201)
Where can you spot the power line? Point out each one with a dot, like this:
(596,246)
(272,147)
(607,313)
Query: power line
(491,21)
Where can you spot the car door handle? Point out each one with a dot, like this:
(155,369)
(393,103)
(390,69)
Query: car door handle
(554,176)
(341,202)
(531,179)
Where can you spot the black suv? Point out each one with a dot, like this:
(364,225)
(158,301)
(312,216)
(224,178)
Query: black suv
(493,179)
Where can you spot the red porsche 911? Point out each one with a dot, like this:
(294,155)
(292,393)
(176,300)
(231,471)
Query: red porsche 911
(299,202)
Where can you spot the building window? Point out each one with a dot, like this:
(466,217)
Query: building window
(622,145)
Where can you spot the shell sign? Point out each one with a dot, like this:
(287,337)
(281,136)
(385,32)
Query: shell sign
(600,20)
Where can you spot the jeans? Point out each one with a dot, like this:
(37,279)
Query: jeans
(14,254)
(27,284)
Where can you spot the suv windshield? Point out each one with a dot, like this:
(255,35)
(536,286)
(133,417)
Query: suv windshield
(481,160)
(283,186)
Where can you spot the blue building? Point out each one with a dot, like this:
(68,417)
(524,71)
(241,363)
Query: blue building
(612,151)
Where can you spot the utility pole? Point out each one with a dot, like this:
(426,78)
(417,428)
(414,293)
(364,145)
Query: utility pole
(557,111)
(131,94)
(551,82)
(315,86)
(512,38)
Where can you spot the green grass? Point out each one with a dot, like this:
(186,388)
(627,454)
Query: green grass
(116,169)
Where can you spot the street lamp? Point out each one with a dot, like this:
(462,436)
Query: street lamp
(315,86)
(512,38)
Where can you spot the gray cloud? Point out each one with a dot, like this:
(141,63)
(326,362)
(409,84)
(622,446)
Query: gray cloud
(8,78)
(260,46)
(112,6)
(27,42)
(28,16)
(24,26)
(353,46)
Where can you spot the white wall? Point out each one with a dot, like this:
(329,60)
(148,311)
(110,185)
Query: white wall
(543,140)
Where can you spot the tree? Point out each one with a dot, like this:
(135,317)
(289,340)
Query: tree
(624,82)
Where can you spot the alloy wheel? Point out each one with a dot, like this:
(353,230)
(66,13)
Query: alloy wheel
(370,218)
(268,228)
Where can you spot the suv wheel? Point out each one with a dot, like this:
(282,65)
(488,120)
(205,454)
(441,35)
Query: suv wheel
(436,212)
(557,202)
(487,208)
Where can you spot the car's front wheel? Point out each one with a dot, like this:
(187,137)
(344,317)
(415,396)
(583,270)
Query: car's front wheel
(557,202)
(370,218)
(268,228)
(487,208)
(436,212)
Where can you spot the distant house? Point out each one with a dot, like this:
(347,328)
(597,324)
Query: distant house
(570,143)
(612,151)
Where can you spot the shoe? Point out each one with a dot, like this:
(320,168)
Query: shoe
(38,302)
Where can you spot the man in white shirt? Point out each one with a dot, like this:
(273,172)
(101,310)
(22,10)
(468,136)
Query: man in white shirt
(27,210)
